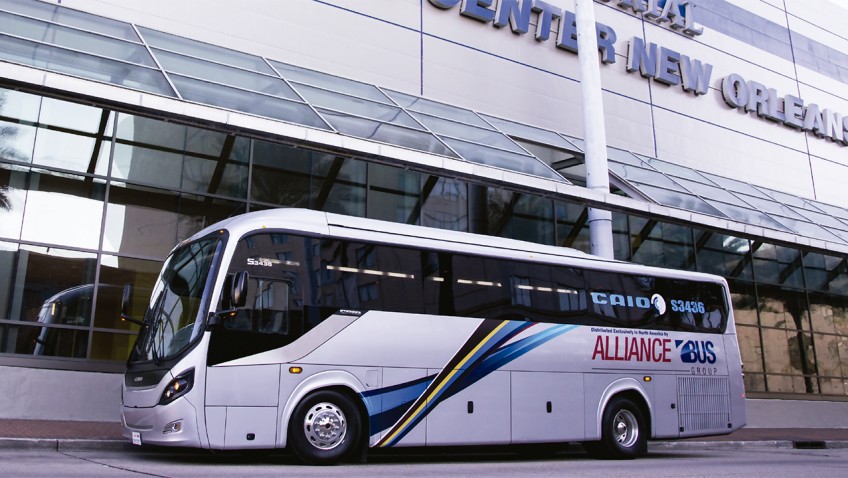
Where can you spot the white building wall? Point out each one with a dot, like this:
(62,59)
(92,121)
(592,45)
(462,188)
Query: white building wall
(415,47)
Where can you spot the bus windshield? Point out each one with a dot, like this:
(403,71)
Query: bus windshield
(175,315)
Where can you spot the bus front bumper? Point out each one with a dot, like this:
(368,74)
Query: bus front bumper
(174,424)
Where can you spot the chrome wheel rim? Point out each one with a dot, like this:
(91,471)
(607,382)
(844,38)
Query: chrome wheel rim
(325,426)
(625,428)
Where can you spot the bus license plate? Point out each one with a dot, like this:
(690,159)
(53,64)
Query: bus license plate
(136,438)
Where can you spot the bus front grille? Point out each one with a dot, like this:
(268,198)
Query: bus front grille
(703,404)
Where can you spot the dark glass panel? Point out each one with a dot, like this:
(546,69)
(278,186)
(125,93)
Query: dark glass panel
(47,285)
(115,272)
(198,212)
(777,265)
(826,273)
(744,298)
(110,346)
(52,58)
(723,255)
(446,204)
(659,244)
(43,341)
(620,237)
(393,193)
(520,216)
(282,175)
(572,223)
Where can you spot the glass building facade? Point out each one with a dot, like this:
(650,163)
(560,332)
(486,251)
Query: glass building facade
(93,199)
(94,194)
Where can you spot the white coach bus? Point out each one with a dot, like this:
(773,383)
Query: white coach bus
(330,335)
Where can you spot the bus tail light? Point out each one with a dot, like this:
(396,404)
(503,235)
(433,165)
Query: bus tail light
(178,387)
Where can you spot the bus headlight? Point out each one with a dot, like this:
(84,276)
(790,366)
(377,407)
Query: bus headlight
(178,387)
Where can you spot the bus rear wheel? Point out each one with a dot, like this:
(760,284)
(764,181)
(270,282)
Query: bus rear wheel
(624,432)
(324,428)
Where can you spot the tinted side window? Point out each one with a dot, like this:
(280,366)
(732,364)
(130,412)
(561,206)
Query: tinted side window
(361,276)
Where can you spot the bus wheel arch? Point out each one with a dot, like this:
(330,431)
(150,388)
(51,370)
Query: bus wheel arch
(624,425)
(327,426)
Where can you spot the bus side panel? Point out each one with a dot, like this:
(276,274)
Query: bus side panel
(547,407)
(478,415)
(737,383)
(665,420)
(400,399)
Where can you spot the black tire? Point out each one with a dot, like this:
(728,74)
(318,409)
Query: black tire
(624,431)
(324,428)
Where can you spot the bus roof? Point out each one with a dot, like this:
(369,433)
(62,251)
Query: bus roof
(356,228)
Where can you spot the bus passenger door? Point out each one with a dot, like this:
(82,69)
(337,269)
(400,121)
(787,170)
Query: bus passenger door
(242,388)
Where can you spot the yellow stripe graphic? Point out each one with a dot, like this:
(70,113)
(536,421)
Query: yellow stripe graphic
(453,372)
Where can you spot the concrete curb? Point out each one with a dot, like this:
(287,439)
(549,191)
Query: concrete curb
(61,444)
(749,444)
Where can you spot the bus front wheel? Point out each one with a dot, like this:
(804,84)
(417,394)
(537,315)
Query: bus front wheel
(324,428)
(624,433)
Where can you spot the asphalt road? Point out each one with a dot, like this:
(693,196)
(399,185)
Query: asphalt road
(688,462)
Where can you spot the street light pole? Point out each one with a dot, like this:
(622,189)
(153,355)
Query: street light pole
(597,171)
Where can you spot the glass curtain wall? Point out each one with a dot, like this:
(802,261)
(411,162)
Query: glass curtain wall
(91,199)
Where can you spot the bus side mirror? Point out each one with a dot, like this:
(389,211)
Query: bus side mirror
(237,298)
(126,298)
(238,294)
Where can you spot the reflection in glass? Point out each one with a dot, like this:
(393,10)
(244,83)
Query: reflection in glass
(660,244)
(357,106)
(330,82)
(74,18)
(52,58)
(43,341)
(227,75)
(385,132)
(520,216)
(723,255)
(777,264)
(445,204)
(205,51)
(572,223)
(65,210)
(16,141)
(501,159)
(46,285)
(393,193)
(111,346)
(115,271)
(826,273)
(750,348)
(247,101)
(59,35)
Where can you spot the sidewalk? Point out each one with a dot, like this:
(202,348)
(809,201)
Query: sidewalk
(65,434)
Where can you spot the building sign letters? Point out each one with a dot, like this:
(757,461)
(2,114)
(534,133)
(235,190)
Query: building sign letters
(652,61)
